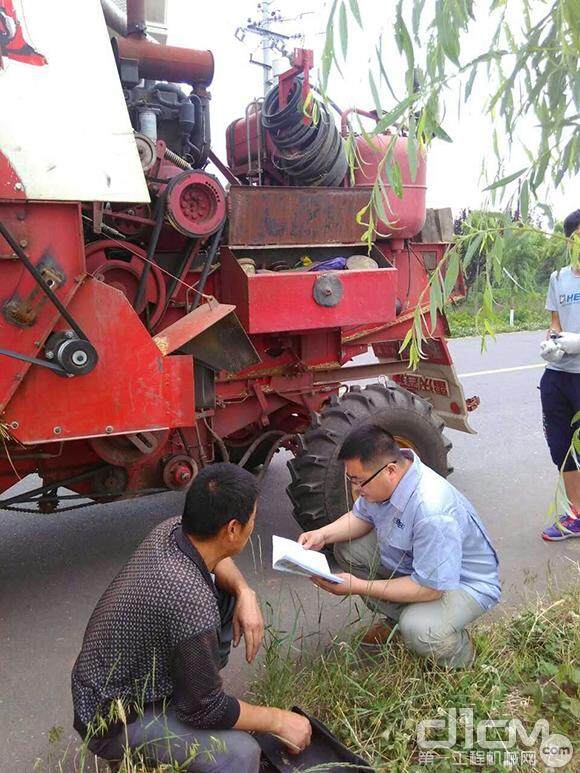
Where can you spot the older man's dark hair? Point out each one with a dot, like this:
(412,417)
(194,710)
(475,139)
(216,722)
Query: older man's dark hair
(370,443)
(220,493)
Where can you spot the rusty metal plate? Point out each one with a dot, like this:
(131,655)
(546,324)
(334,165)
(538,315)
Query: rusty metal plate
(172,338)
(261,216)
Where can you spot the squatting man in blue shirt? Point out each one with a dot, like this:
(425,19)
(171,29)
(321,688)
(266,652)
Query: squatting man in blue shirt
(412,547)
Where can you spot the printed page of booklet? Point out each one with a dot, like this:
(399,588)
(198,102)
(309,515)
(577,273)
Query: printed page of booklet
(289,556)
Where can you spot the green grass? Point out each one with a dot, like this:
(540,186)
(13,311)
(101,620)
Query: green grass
(526,668)
(529,314)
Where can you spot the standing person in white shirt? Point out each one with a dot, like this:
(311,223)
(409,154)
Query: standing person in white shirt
(560,383)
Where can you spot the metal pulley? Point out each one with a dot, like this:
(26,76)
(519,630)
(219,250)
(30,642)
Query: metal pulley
(122,267)
(179,471)
(196,204)
(76,356)
(147,151)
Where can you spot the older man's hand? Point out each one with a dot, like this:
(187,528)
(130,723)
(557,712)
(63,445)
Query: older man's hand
(248,622)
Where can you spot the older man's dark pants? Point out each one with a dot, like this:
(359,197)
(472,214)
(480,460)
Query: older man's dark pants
(160,737)
(432,628)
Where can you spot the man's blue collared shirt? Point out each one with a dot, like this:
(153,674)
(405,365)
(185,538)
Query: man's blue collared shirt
(430,531)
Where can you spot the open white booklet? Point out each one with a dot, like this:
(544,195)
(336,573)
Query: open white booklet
(289,556)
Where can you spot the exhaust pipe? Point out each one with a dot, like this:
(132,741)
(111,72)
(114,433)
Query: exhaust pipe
(136,18)
(114,17)
(156,62)
(117,20)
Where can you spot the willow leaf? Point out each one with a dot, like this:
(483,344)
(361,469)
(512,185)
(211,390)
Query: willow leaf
(343,29)
(505,180)
(548,213)
(474,245)
(405,46)
(470,82)
(375,93)
(524,200)
(416,20)
(389,119)
(435,301)
(451,273)
(355,10)
(395,177)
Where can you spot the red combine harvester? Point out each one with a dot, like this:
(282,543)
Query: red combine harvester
(154,319)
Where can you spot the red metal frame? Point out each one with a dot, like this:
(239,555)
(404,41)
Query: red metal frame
(142,411)
(301,62)
(274,303)
(134,388)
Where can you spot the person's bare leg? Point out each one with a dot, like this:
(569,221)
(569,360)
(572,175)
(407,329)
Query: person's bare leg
(572,483)
(567,524)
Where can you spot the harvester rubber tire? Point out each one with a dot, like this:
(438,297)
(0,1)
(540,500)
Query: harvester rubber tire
(317,490)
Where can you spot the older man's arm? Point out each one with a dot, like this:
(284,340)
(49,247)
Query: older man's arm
(248,620)
(229,578)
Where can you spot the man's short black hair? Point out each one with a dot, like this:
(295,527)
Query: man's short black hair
(370,443)
(571,223)
(221,492)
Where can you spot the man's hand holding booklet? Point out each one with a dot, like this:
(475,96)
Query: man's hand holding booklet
(289,556)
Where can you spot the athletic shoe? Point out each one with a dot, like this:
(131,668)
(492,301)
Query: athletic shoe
(565,527)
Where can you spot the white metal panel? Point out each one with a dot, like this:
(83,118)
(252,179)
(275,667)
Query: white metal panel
(64,126)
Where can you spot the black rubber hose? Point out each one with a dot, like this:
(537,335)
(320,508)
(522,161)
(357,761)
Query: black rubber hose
(310,154)
(173,87)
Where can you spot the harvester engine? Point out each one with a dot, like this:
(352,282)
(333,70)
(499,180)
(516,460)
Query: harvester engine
(162,111)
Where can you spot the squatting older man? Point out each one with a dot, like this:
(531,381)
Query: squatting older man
(412,547)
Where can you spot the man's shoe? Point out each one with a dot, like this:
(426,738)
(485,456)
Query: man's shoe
(378,634)
(565,527)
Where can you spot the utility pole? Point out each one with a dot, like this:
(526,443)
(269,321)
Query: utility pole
(271,40)
(266,50)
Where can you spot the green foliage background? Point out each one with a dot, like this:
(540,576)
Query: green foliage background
(530,64)
(530,254)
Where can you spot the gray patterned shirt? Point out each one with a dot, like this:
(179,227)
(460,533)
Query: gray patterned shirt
(154,636)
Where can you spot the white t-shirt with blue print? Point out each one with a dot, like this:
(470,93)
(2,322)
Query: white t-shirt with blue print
(430,531)
(564,297)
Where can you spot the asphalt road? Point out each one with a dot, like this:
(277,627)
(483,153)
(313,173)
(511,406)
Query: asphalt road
(54,568)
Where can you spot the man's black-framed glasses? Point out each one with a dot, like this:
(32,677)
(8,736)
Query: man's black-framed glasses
(372,477)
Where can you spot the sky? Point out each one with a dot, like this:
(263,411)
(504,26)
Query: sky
(454,170)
